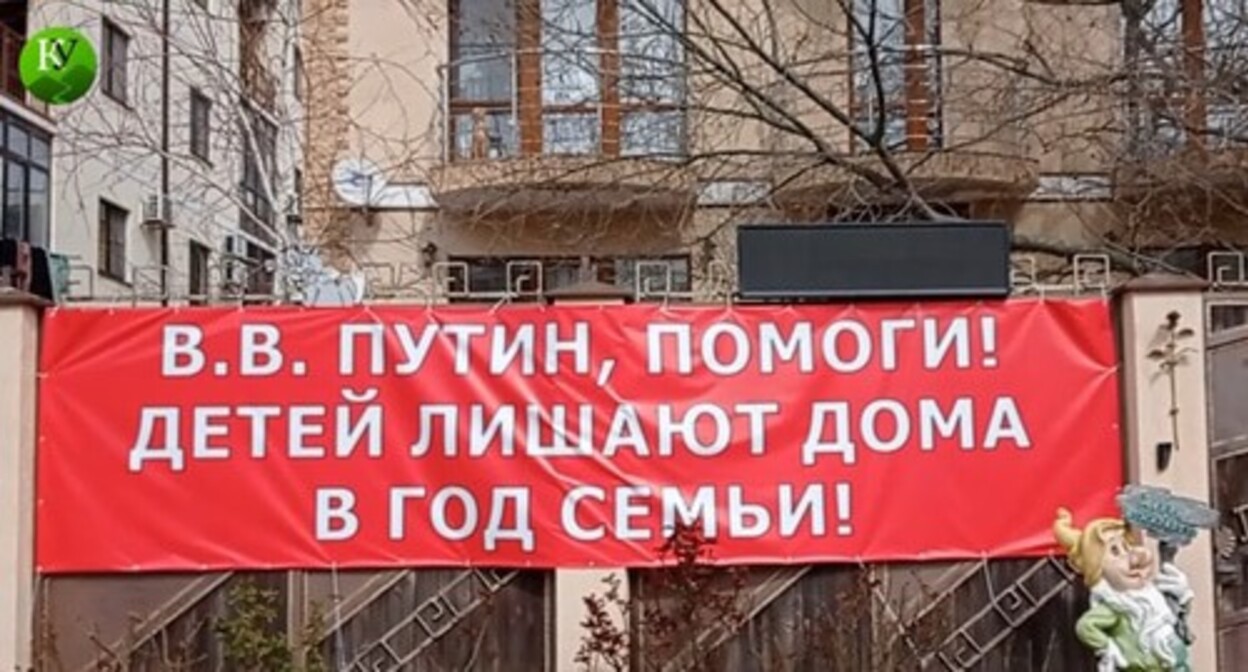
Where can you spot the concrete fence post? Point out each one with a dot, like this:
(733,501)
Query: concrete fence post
(1147,306)
(572,586)
(19,358)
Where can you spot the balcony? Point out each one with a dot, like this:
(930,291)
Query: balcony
(947,147)
(987,170)
(582,140)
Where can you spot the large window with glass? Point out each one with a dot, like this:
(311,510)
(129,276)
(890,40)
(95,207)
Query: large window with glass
(1187,60)
(896,72)
(259,138)
(565,77)
(26,157)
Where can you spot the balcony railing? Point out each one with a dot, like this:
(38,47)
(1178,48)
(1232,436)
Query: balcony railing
(591,102)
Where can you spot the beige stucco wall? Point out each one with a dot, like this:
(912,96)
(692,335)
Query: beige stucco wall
(397,51)
(19,351)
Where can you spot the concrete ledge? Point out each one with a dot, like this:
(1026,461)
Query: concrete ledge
(16,297)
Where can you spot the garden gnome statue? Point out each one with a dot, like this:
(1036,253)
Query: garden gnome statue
(1137,618)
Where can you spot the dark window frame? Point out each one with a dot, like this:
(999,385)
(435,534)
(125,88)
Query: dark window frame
(259,159)
(526,51)
(115,85)
(198,275)
(111,241)
(33,163)
(201,125)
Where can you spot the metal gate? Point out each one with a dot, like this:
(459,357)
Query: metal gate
(989,616)
(1228,452)
(477,619)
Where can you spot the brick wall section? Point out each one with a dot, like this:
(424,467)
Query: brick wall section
(327,63)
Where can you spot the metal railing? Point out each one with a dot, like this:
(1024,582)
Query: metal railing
(495,119)
(235,280)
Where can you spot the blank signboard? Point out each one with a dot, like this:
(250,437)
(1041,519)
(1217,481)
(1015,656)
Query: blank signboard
(959,259)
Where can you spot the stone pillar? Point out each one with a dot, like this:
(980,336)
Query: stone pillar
(572,586)
(19,353)
(1147,304)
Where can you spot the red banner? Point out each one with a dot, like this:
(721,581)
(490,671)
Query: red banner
(559,437)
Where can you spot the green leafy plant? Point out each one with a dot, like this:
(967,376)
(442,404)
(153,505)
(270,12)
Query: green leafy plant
(254,641)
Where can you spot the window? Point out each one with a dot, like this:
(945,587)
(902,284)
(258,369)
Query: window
(259,158)
(197,272)
(896,72)
(1187,58)
(25,153)
(201,125)
(260,85)
(115,62)
(112,261)
(527,77)
(249,267)
(12,38)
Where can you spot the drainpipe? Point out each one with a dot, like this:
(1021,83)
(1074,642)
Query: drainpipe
(164,152)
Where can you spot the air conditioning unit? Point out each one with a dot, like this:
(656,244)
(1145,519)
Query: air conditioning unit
(156,212)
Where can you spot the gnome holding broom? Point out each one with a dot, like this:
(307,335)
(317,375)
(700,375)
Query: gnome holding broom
(1137,620)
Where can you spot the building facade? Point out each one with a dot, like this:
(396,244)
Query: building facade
(591,137)
(176,176)
(599,138)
